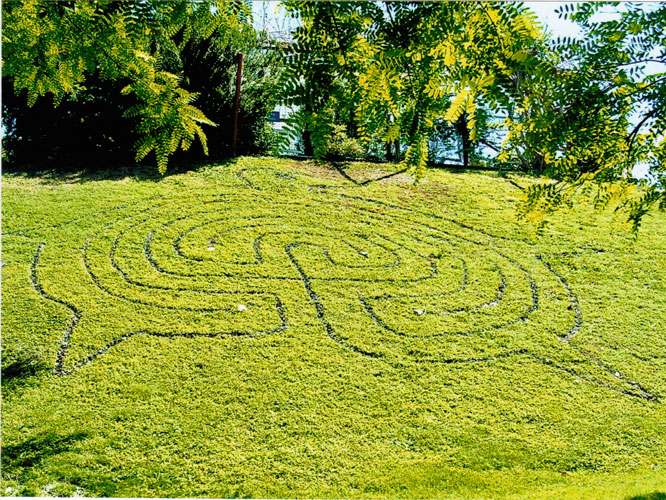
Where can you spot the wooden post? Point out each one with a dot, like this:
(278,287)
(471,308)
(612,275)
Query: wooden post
(239,73)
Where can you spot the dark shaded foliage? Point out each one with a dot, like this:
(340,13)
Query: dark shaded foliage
(657,495)
(20,362)
(88,130)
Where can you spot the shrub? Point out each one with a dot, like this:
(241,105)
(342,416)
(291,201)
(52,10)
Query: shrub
(341,146)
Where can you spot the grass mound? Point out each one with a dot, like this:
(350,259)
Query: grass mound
(272,328)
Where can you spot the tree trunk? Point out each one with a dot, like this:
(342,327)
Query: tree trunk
(351,126)
(308,148)
(463,130)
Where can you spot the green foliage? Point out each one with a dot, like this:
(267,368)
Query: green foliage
(340,146)
(294,413)
(589,115)
(56,48)
(398,68)
(86,131)
(399,71)
(209,66)
(167,119)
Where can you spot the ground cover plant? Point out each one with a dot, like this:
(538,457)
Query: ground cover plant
(270,328)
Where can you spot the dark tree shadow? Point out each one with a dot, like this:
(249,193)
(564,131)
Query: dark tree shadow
(657,495)
(34,450)
(141,172)
(20,365)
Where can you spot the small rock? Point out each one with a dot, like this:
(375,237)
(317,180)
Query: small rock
(364,254)
(617,374)
(241,307)
(419,311)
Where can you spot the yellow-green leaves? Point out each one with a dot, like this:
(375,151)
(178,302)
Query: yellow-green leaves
(167,119)
(404,69)
(458,106)
(52,48)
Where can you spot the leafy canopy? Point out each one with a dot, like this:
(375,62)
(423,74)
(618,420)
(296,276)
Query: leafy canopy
(54,48)
(399,67)
(591,114)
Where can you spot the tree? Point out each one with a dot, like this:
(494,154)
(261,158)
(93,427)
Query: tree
(61,48)
(319,78)
(589,114)
(401,67)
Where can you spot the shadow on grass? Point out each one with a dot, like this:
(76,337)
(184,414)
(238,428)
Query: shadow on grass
(141,172)
(20,365)
(657,495)
(33,451)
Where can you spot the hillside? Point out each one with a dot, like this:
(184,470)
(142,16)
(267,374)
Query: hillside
(272,328)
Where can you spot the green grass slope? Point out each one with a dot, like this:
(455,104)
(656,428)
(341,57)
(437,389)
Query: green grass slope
(271,328)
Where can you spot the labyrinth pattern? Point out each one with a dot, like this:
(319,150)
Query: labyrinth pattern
(384,283)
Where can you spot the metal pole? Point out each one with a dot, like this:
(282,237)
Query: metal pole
(239,72)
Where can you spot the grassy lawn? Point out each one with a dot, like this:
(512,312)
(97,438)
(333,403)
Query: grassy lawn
(271,328)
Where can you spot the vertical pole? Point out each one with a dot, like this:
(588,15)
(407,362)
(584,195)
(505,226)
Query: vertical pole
(239,72)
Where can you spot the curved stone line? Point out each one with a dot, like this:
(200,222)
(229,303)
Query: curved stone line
(129,280)
(258,258)
(522,318)
(367,181)
(575,329)
(320,307)
(98,283)
(430,215)
(307,280)
(533,307)
(644,394)
(153,262)
(257,244)
(640,393)
(159,268)
(233,333)
(396,263)
(499,295)
(64,345)
(250,184)
(215,239)
(149,255)
(132,281)
(76,314)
